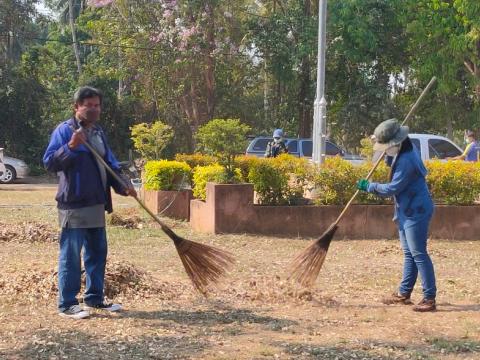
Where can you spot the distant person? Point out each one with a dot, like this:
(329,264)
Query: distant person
(413,211)
(277,146)
(83,197)
(472,150)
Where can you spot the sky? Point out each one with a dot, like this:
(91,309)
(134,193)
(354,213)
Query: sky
(41,8)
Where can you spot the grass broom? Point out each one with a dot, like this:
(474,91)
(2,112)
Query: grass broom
(203,264)
(306,266)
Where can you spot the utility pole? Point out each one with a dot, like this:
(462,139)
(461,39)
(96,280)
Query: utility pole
(320,105)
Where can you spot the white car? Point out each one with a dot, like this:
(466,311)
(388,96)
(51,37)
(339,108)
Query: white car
(13,169)
(433,147)
(2,165)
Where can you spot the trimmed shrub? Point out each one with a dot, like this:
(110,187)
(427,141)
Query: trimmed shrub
(166,175)
(150,140)
(335,182)
(211,173)
(224,139)
(454,182)
(196,159)
(280,180)
(269,182)
(245,163)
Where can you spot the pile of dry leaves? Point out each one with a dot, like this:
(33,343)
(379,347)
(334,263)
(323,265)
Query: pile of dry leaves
(122,280)
(274,290)
(128,218)
(28,232)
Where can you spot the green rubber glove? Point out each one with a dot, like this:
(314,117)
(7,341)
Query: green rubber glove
(362,184)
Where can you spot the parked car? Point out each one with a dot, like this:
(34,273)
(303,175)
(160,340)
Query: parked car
(2,165)
(433,147)
(301,147)
(14,169)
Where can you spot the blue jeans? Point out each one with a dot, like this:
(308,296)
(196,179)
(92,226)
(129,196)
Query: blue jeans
(94,243)
(416,260)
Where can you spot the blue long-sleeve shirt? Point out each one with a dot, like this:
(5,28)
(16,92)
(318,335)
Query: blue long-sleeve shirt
(408,187)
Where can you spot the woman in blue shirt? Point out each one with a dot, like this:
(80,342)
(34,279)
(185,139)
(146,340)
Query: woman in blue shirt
(413,211)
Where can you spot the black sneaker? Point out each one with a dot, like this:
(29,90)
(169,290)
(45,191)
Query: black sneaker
(74,312)
(105,306)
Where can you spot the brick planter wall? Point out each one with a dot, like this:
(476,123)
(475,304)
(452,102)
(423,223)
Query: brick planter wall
(230,209)
(157,201)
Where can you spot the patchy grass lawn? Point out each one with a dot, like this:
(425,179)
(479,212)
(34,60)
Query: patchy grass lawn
(256,314)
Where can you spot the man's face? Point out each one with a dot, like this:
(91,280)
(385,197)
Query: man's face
(88,110)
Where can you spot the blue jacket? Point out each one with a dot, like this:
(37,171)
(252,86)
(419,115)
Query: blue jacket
(80,184)
(407,185)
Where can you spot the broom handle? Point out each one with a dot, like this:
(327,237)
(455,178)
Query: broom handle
(120,180)
(410,113)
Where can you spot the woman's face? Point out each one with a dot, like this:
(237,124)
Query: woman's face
(393,150)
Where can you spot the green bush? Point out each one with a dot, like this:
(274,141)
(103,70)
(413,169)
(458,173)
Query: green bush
(245,163)
(150,140)
(166,175)
(224,139)
(280,180)
(269,182)
(454,182)
(211,173)
(196,159)
(335,182)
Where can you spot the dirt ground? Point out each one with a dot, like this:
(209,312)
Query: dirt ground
(255,314)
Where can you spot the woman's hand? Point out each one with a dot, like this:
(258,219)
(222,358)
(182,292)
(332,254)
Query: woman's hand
(362,184)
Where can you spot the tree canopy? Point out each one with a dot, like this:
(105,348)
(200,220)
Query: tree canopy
(190,61)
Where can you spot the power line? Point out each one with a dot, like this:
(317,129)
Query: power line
(88,43)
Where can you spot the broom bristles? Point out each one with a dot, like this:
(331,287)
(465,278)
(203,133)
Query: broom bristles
(205,265)
(307,265)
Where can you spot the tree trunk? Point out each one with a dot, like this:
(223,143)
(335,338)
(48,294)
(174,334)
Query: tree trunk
(74,36)
(210,68)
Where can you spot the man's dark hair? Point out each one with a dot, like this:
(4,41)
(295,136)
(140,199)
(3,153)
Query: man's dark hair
(86,92)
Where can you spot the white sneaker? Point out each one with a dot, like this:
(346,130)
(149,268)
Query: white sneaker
(74,312)
(105,306)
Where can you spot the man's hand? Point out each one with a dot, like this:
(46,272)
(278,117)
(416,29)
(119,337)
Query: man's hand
(362,184)
(77,138)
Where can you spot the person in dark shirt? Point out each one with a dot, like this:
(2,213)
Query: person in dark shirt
(277,146)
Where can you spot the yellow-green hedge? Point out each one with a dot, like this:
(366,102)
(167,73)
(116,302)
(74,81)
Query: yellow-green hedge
(335,182)
(196,159)
(210,173)
(280,180)
(283,180)
(166,175)
(454,182)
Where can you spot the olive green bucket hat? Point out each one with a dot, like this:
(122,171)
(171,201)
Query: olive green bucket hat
(389,133)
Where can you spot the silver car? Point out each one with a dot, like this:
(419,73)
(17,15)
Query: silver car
(2,165)
(13,169)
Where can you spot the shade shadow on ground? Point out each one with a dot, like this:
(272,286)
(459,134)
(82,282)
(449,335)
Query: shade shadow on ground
(378,350)
(79,345)
(210,317)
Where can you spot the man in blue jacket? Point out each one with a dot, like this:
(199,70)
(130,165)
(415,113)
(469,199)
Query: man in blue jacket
(83,197)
